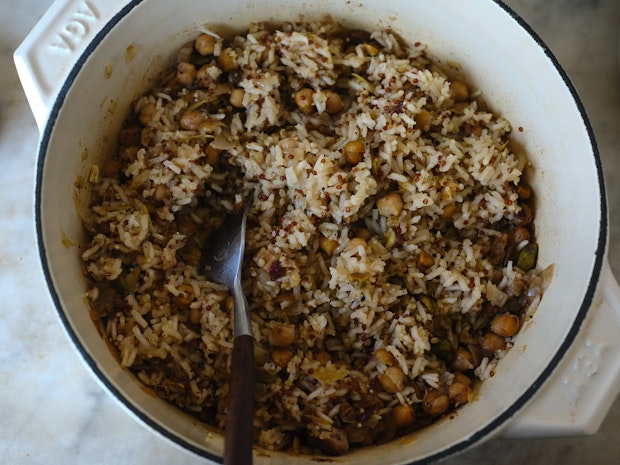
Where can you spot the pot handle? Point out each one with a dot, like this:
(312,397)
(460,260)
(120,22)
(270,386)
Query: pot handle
(576,399)
(46,56)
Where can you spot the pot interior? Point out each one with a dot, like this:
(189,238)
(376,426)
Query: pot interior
(527,88)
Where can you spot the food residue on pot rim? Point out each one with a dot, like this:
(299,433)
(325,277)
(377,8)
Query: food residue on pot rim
(108,69)
(130,52)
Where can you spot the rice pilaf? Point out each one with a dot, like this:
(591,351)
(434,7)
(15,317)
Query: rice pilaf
(390,255)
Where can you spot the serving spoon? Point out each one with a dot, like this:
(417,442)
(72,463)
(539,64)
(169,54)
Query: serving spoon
(222,260)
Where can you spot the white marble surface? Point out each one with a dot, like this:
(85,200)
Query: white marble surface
(51,409)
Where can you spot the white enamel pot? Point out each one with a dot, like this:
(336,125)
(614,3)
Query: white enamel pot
(87,59)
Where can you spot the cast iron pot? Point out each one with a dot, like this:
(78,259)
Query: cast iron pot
(87,60)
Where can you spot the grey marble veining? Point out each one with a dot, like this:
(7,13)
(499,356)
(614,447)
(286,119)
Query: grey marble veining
(54,412)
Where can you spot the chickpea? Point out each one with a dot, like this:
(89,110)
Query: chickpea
(354,151)
(195,315)
(385,357)
(327,245)
(459,393)
(462,379)
(490,343)
(524,216)
(423,120)
(463,359)
(147,114)
(334,103)
(130,154)
(390,205)
(303,99)
(392,379)
(186,73)
(460,91)
(205,44)
(362,233)
(468,130)
(226,60)
(520,234)
(370,49)
(191,119)
(460,107)
(282,335)
(356,242)
(403,415)
(110,168)
(435,402)
(425,260)
(281,357)
(448,211)
(524,191)
(323,357)
(212,155)
(129,136)
(185,296)
(505,325)
(236,97)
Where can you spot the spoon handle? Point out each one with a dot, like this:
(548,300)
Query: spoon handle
(238,431)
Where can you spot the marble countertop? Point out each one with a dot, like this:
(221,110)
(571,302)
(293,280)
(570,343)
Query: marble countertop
(52,409)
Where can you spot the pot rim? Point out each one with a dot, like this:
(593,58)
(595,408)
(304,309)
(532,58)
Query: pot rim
(453,449)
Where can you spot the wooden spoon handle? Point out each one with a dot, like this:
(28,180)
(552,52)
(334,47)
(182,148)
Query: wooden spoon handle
(238,431)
